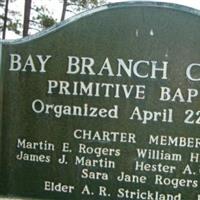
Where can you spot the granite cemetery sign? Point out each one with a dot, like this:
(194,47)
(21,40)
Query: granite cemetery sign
(104,106)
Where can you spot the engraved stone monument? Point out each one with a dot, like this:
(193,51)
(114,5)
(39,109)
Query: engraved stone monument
(104,106)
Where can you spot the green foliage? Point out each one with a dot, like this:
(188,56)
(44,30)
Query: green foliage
(2,4)
(46,21)
(74,6)
(12,19)
(14,26)
(87,4)
(43,18)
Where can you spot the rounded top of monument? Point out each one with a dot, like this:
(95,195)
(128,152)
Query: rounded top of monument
(192,3)
(191,6)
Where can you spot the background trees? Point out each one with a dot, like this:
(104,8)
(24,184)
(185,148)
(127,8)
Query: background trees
(36,15)
(74,6)
(27,13)
(7,22)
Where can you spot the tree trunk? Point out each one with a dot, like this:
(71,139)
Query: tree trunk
(63,10)
(27,12)
(5,20)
